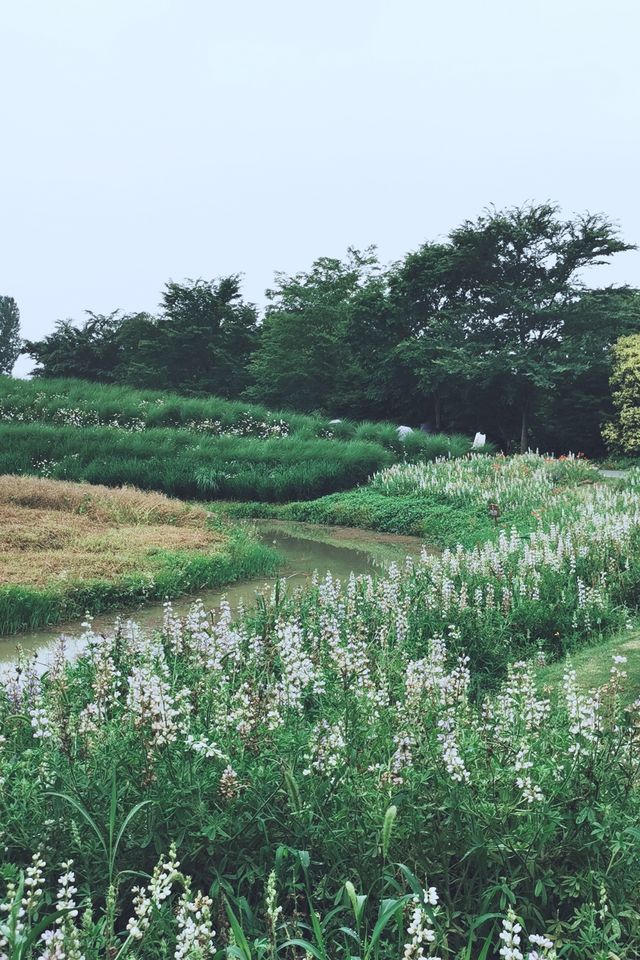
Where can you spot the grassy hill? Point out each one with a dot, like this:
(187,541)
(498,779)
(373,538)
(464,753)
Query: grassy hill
(199,448)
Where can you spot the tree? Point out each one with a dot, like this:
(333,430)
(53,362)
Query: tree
(622,435)
(99,349)
(425,297)
(10,342)
(202,341)
(570,416)
(366,381)
(301,361)
(520,271)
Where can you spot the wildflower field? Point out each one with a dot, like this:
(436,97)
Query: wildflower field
(379,769)
(466,500)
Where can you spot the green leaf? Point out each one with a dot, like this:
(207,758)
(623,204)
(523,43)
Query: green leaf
(87,817)
(125,823)
(388,911)
(242,943)
(309,947)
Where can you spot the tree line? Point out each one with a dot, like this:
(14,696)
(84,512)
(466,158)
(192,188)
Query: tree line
(493,328)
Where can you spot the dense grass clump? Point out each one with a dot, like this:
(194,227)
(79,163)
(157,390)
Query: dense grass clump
(182,464)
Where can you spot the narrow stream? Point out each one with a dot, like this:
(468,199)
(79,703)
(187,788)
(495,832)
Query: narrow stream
(305,548)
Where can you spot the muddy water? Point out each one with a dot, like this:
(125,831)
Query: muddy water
(304,548)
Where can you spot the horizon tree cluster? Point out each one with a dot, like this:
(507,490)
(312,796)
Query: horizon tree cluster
(493,329)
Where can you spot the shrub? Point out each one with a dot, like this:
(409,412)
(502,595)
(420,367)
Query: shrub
(623,434)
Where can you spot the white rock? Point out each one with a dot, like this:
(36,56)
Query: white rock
(479,441)
(403,431)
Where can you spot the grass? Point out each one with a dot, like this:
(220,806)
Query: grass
(442,524)
(593,664)
(199,449)
(619,463)
(79,403)
(445,512)
(66,548)
(182,464)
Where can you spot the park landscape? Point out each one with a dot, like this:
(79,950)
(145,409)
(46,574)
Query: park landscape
(436,757)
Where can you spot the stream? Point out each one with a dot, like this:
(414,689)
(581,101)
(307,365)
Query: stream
(305,548)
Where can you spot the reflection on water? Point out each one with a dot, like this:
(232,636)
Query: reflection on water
(304,547)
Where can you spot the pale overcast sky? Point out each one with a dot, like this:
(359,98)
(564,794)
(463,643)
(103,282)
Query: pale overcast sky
(144,140)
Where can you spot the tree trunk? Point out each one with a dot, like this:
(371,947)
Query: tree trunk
(524,432)
(437,409)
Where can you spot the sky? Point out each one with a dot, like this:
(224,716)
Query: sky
(148,140)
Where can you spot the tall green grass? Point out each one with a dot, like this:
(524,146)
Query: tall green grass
(440,523)
(183,464)
(77,402)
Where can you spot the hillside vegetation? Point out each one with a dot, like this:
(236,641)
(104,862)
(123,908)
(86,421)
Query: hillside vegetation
(193,448)
(489,328)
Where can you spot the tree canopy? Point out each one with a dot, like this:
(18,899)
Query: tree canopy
(10,342)
(493,328)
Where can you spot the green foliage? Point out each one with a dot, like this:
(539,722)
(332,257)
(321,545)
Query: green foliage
(10,342)
(521,270)
(203,340)
(623,434)
(205,449)
(301,354)
(333,755)
(441,524)
(74,402)
(354,770)
(182,464)
(200,343)
(447,503)
(98,349)
(491,329)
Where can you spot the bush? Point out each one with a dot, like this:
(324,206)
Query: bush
(623,435)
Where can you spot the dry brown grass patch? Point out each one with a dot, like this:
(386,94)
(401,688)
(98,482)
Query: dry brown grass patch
(105,504)
(52,531)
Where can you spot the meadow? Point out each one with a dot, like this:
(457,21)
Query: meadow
(466,500)
(66,548)
(396,767)
(194,448)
